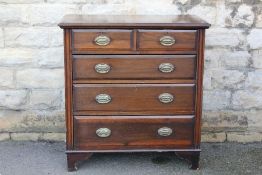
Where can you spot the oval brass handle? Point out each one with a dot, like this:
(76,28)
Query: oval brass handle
(167,41)
(166,67)
(165,131)
(103,99)
(166,98)
(103,132)
(102,68)
(102,40)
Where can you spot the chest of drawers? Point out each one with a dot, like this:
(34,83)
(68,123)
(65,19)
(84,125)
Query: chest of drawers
(133,84)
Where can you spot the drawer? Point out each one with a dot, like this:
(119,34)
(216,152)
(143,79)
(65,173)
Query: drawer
(127,132)
(167,40)
(133,99)
(100,40)
(134,67)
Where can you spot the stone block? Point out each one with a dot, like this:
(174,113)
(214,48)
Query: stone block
(13,15)
(222,37)
(259,20)
(221,79)
(25,136)
(226,120)
(32,121)
(254,120)
(244,137)
(49,14)
(223,12)
(243,16)
(26,37)
(13,57)
(155,7)
(183,1)
(13,99)
(1,38)
(40,78)
(45,99)
(216,99)
(254,39)
(226,58)
(21,1)
(257,59)
(105,9)
(55,37)
(202,11)
(213,137)
(213,56)
(207,80)
(235,60)
(71,1)
(247,99)
(4,136)
(51,57)
(7,78)
(254,80)
(233,1)
(53,137)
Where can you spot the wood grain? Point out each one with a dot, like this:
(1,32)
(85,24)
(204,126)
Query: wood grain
(68,88)
(185,40)
(134,84)
(132,132)
(199,89)
(83,40)
(133,21)
(134,67)
(133,99)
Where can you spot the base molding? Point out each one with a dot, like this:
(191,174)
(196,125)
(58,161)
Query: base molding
(75,156)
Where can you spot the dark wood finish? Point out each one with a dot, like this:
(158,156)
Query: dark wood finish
(134,83)
(199,89)
(134,52)
(133,132)
(68,88)
(74,158)
(133,66)
(135,99)
(133,21)
(185,40)
(188,150)
(85,40)
(137,81)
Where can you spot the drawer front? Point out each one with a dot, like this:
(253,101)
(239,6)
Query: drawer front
(133,99)
(125,132)
(167,40)
(101,40)
(133,67)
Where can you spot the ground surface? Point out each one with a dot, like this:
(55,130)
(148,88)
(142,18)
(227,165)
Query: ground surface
(40,158)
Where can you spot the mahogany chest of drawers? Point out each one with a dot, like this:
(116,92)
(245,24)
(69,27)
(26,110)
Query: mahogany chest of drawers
(133,84)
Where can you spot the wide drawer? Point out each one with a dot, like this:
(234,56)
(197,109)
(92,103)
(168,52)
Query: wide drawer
(101,40)
(133,67)
(133,99)
(127,132)
(167,40)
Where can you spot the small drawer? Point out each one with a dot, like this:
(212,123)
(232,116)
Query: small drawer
(101,40)
(133,132)
(133,99)
(133,67)
(167,40)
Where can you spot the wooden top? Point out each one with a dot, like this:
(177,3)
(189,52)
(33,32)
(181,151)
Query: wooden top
(133,21)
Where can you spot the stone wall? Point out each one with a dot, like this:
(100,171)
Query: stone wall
(31,64)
